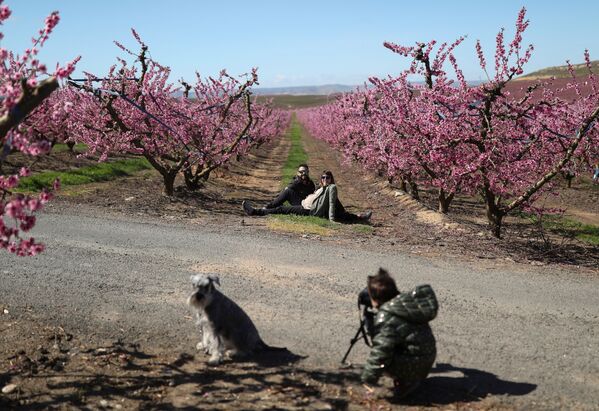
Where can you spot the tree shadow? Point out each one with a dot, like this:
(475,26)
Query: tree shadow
(273,358)
(145,382)
(124,374)
(464,385)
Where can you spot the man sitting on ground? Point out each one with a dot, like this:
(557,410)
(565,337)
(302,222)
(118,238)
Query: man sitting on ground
(322,203)
(297,190)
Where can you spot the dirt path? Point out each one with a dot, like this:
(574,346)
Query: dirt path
(104,309)
(100,319)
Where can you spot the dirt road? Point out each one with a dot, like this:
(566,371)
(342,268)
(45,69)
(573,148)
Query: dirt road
(117,268)
(530,335)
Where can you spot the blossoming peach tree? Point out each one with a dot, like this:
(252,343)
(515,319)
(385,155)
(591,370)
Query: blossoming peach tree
(135,109)
(505,146)
(24,84)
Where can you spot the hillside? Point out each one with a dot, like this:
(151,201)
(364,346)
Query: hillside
(305,90)
(288,101)
(560,71)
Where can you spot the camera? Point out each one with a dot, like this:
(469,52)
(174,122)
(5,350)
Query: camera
(365,304)
(364,298)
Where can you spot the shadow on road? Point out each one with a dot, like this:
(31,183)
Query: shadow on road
(449,384)
(123,376)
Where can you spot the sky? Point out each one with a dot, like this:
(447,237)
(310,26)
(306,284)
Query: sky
(297,43)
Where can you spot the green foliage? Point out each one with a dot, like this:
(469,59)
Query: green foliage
(84,175)
(297,155)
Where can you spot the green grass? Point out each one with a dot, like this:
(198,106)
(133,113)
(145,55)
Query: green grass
(566,227)
(570,228)
(311,220)
(291,101)
(61,148)
(84,175)
(362,228)
(297,155)
(301,224)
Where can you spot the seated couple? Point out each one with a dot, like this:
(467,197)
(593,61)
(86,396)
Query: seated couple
(304,200)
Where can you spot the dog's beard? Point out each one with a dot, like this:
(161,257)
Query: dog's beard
(199,301)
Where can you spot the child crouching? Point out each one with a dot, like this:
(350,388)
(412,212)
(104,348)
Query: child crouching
(403,345)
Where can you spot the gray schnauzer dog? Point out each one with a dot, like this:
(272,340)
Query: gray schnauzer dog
(225,327)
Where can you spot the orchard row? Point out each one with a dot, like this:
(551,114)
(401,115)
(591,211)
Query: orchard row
(188,128)
(455,138)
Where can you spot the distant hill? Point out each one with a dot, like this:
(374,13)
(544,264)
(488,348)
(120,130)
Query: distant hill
(288,101)
(304,90)
(560,71)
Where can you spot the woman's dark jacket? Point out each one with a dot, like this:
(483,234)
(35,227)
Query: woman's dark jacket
(403,345)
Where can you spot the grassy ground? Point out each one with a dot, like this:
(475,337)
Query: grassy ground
(84,175)
(77,148)
(290,101)
(564,227)
(572,229)
(297,155)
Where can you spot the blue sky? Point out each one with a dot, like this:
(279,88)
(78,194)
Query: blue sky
(301,42)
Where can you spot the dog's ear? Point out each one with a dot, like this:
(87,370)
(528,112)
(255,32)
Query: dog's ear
(214,278)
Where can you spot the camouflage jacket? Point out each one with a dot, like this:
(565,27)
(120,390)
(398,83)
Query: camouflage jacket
(403,345)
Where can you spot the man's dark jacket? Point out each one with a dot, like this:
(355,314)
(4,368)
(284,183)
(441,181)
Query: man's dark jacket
(294,193)
(403,346)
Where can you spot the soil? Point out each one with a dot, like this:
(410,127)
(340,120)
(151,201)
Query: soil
(55,368)
(398,221)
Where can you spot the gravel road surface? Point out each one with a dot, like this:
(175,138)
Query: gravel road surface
(529,333)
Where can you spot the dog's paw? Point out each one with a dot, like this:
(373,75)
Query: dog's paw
(215,361)
(237,355)
(200,346)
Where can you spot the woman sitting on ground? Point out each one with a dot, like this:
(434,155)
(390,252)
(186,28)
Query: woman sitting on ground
(322,203)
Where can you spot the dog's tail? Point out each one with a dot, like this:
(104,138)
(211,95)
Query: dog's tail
(262,346)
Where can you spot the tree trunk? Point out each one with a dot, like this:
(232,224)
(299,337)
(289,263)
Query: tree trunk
(494,214)
(194,181)
(444,201)
(414,190)
(495,220)
(403,185)
(169,183)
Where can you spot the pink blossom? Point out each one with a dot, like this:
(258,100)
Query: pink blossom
(459,139)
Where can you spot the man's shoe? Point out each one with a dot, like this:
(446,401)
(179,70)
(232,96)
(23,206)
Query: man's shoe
(247,207)
(365,216)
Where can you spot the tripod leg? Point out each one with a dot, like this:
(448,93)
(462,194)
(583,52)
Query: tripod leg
(353,341)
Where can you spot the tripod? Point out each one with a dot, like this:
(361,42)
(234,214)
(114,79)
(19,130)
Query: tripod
(361,333)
